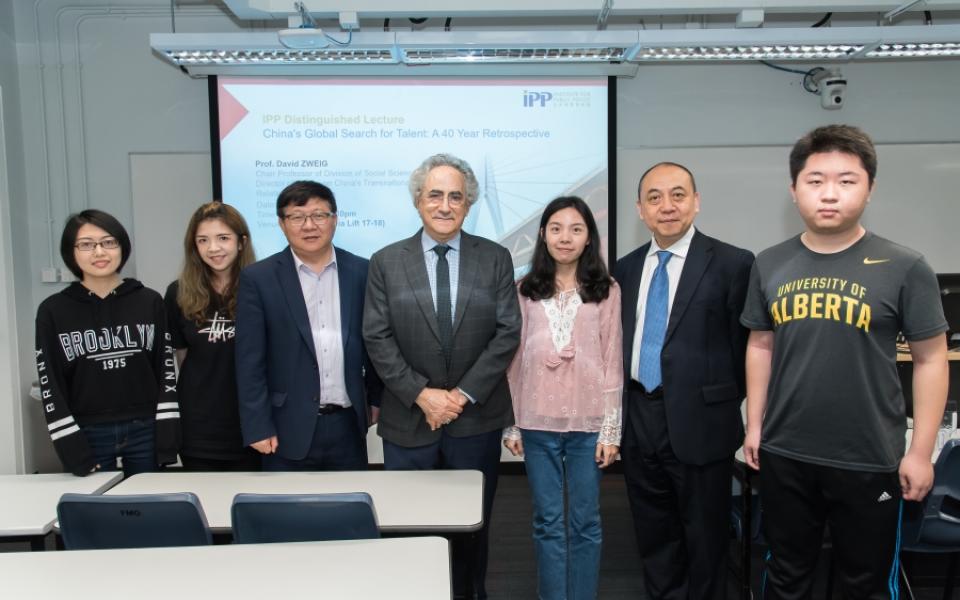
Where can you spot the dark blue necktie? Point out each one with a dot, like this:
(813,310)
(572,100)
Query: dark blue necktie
(654,325)
(444,320)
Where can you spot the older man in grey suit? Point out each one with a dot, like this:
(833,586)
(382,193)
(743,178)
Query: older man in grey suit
(441,323)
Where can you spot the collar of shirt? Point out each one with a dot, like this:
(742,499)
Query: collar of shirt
(428,242)
(679,248)
(303,267)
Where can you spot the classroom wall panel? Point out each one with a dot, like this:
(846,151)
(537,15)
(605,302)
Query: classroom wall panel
(89,94)
(745,198)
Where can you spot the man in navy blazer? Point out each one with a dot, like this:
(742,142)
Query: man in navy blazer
(684,363)
(304,381)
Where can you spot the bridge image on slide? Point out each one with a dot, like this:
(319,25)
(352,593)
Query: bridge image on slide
(522,238)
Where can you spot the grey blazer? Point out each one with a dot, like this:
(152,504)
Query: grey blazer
(400,330)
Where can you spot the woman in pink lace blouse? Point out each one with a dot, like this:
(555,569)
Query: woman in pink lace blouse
(566,381)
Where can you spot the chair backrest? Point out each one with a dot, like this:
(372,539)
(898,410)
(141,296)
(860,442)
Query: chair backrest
(266,518)
(90,522)
(756,513)
(934,524)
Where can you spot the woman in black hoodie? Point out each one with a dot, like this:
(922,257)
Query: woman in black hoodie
(106,367)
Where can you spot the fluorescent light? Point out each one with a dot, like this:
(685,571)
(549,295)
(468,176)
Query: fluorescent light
(604,49)
(197,49)
(279,57)
(950,49)
(791,44)
(724,53)
(513,55)
(516,47)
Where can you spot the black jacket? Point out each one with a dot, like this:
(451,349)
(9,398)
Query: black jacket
(105,360)
(703,355)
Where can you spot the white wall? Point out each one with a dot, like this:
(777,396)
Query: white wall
(86,93)
(15,298)
(90,94)
(697,111)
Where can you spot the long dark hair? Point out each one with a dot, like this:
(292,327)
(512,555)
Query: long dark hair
(196,295)
(592,276)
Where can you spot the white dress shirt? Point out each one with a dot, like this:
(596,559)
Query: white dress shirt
(321,293)
(674,268)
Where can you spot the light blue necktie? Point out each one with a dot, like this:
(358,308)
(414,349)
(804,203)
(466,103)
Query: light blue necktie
(654,325)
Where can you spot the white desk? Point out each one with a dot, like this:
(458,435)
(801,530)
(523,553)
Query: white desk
(28,503)
(405,501)
(395,568)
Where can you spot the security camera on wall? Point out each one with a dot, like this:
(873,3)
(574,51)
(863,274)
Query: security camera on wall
(832,87)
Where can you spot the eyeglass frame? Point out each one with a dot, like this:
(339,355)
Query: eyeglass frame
(319,217)
(453,199)
(102,243)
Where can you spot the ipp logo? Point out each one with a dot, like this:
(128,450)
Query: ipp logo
(531,99)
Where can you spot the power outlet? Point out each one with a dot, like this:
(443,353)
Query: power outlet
(48,275)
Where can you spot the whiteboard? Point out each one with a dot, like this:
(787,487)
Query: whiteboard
(745,198)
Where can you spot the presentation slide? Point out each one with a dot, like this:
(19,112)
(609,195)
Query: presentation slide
(527,140)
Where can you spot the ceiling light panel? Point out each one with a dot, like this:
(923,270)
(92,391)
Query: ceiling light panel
(935,50)
(279,57)
(799,52)
(516,46)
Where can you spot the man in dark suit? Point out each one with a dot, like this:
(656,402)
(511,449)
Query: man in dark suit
(441,324)
(303,377)
(684,363)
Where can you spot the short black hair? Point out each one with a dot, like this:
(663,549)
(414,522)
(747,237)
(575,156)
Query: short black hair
(97,218)
(693,182)
(845,139)
(299,193)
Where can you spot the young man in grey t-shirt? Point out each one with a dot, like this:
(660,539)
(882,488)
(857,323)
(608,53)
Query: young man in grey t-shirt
(825,412)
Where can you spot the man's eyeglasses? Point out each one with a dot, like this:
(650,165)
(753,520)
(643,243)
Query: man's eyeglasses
(89,245)
(318,218)
(436,199)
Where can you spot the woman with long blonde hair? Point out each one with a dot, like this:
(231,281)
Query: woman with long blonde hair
(201,307)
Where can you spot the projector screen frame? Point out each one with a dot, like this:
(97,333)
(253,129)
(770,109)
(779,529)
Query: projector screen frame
(215,150)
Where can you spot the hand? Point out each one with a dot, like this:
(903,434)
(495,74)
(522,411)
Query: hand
(459,397)
(606,454)
(751,448)
(456,402)
(438,406)
(82,473)
(267,446)
(374,415)
(514,446)
(916,476)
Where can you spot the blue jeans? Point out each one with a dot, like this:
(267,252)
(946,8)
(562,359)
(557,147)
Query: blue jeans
(568,554)
(133,441)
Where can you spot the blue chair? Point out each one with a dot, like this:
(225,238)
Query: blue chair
(933,525)
(267,518)
(89,522)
